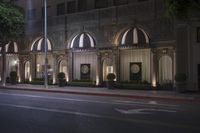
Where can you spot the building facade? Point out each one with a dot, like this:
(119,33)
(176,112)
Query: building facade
(87,39)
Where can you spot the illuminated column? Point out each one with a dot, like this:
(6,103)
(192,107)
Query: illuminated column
(18,71)
(70,65)
(115,63)
(54,68)
(153,68)
(67,69)
(98,69)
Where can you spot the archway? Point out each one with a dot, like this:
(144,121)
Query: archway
(38,50)
(12,60)
(107,68)
(165,69)
(135,55)
(63,68)
(84,57)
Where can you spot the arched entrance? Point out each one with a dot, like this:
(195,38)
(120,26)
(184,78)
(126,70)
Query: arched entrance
(84,57)
(38,50)
(12,59)
(63,68)
(107,68)
(135,55)
(165,69)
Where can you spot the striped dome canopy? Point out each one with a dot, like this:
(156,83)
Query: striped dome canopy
(39,45)
(11,48)
(82,41)
(135,37)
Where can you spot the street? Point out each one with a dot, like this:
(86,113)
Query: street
(47,112)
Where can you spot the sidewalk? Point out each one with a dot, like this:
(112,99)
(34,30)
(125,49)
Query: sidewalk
(99,91)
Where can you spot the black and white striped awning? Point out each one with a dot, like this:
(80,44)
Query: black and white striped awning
(82,41)
(11,48)
(39,45)
(135,37)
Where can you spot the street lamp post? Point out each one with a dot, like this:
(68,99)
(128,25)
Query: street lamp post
(45,43)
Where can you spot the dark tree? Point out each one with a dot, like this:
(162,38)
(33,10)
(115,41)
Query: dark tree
(182,9)
(11,28)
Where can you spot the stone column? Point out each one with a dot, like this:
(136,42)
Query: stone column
(33,66)
(54,68)
(154,69)
(21,69)
(182,49)
(116,64)
(70,65)
(98,72)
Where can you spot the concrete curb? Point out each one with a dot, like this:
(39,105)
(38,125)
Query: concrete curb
(131,96)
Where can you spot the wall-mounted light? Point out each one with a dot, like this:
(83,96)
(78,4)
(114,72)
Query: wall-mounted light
(164,51)
(15,62)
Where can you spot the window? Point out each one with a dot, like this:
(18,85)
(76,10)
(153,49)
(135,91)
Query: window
(71,7)
(198,34)
(82,5)
(101,3)
(31,14)
(120,2)
(61,9)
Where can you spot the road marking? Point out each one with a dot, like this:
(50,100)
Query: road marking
(143,111)
(157,123)
(151,104)
(116,102)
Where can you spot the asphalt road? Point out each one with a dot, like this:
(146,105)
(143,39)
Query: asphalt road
(43,112)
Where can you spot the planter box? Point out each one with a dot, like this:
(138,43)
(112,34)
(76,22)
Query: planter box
(61,82)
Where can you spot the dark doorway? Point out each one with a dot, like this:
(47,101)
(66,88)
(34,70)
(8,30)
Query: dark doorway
(199,76)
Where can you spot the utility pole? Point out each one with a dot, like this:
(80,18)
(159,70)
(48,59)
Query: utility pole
(45,43)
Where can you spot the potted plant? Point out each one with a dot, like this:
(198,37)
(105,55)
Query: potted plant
(13,77)
(61,79)
(110,83)
(181,84)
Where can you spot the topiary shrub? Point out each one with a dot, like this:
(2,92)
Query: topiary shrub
(61,75)
(13,77)
(61,79)
(111,77)
(110,83)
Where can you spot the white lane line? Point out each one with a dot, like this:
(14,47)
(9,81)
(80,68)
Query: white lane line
(99,116)
(49,110)
(115,102)
(143,111)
